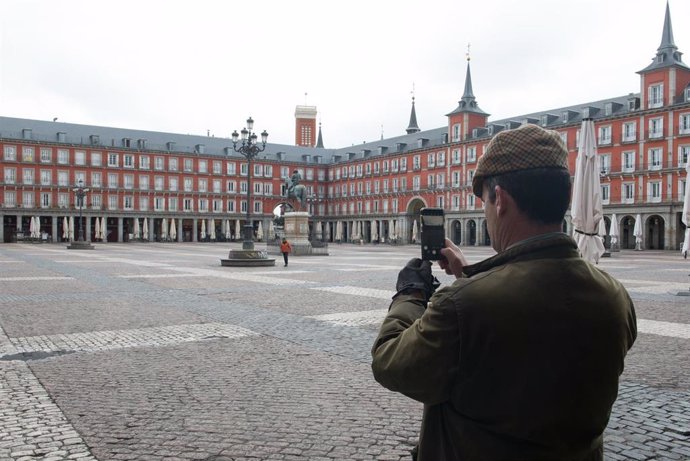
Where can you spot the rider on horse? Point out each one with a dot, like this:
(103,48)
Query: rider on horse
(294,181)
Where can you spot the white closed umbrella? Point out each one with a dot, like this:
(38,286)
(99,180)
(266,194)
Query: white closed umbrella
(685,217)
(238,230)
(164,229)
(71,228)
(338,231)
(173,229)
(32,227)
(137,230)
(637,232)
(212,229)
(65,228)
(260,232)
(415,237)
(271,230)
(328,231)
(395,229)
(97,229)
(203,228)
(104,229)
(602,231)
(374,232)
(613,232)
(227,234)
(586,208)
(145,229)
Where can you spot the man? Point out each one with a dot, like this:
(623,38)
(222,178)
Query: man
(519,358)
(294,180)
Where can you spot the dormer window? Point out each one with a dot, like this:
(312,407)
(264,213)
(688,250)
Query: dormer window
(655,96)
(564,117)
(608,108)
(687,94)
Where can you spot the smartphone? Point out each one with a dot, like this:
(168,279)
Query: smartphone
(433,236)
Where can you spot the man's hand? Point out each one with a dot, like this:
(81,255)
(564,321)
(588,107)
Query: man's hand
(417,276)
(453,259)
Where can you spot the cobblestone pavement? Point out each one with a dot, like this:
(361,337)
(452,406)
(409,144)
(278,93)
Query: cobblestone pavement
(156,352)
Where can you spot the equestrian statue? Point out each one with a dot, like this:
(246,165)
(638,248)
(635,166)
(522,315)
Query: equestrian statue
(295,190)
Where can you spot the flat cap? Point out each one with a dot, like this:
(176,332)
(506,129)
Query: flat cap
(524,148)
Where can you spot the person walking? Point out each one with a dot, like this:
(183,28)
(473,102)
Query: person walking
(520,357)
(285,248)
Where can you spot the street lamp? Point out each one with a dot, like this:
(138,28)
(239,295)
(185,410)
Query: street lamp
(249,149)
(80,192)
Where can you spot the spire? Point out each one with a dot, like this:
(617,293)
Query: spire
(319,142)
(468,102)
(667,54)
(413,127)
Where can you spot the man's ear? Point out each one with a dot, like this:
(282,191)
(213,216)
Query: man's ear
(503,201)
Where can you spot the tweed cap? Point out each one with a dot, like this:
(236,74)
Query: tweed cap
(524,148)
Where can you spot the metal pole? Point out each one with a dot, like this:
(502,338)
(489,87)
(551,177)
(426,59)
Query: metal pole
(248,243)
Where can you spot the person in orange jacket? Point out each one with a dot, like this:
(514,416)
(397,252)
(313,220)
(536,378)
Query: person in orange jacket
(285,248)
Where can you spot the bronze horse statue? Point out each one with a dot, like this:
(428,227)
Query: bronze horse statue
(298,192)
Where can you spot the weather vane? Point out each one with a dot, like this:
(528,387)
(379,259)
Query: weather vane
(467,55)
(412,92)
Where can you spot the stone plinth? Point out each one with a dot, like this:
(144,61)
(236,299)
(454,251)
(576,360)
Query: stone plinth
(296,228)
(248,258)
(80,246)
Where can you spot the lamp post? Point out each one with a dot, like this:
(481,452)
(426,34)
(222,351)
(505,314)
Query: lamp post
(80,192)
(249,149)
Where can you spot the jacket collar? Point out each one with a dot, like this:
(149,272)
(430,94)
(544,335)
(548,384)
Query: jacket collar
(559,243)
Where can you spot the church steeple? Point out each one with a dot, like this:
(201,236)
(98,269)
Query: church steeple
(413,127)
(319,142)
(468,102)
(667,54)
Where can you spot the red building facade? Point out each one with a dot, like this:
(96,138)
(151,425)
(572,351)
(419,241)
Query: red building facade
(374,190)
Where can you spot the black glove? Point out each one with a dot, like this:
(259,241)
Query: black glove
(416,276)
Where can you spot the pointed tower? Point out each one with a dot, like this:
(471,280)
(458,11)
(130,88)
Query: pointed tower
(467,116)
(319,142)
(413,127)
(663,82)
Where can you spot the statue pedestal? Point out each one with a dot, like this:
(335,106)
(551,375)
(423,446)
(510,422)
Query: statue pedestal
(296,229)
(76,245)
(248,258)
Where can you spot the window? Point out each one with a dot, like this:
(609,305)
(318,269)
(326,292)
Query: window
(96,180)
(684,124)
(203,185)
(440,181)
(28,199)
(430,181)
(188,164)
(284,172)
(359,171)
(605,193)
(456,178)
(243,169)
(268,172)
(96,202)
(258,207)
(605,163)
(654,191)
(470,175)
(683,152)
(629,192)
(268,188)
(173,183)
(10,175)
(605,134)
(203,204)
(431,160)
(188,185)
(158,204)
(27,154)
(112,180)
(159,163)
(231,168)
(471,154)
(655,159)
(128,161)
(385,166)
(144,162)
(112,202)
(128,202)
(203,166)
(129,181)
(439,201)
(144,182)
(187,205)
(231,187)
(394,165)
(629,132)
(217,206)
(216,186)
(28,176)
(217,167)
(415,183)
(258,188)
(441,159)
(376,168)
(63,156)
(231,206)
(112,160)
(385,186)
(456,132)
(656,127)
(376,187)
(46,154)
(79,177)
(403,164)
(656,96)
(63,178)
(96,159)
(243,206)
(159,182)
(455,200)
(172,164)
(172,203)
(470,201)
(10,153)
(46,177)
(628,161)
(79,157)
(143,203)
(456,156)
(258,170)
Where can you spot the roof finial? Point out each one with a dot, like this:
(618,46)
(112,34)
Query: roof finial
(412,92)
(467,55)
(305,98)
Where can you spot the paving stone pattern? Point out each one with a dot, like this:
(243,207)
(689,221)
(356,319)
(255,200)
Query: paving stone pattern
(156,352)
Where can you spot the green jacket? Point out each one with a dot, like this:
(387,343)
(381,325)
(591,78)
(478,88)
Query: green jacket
(517,360)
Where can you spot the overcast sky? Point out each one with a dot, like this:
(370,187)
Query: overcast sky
(201,66)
